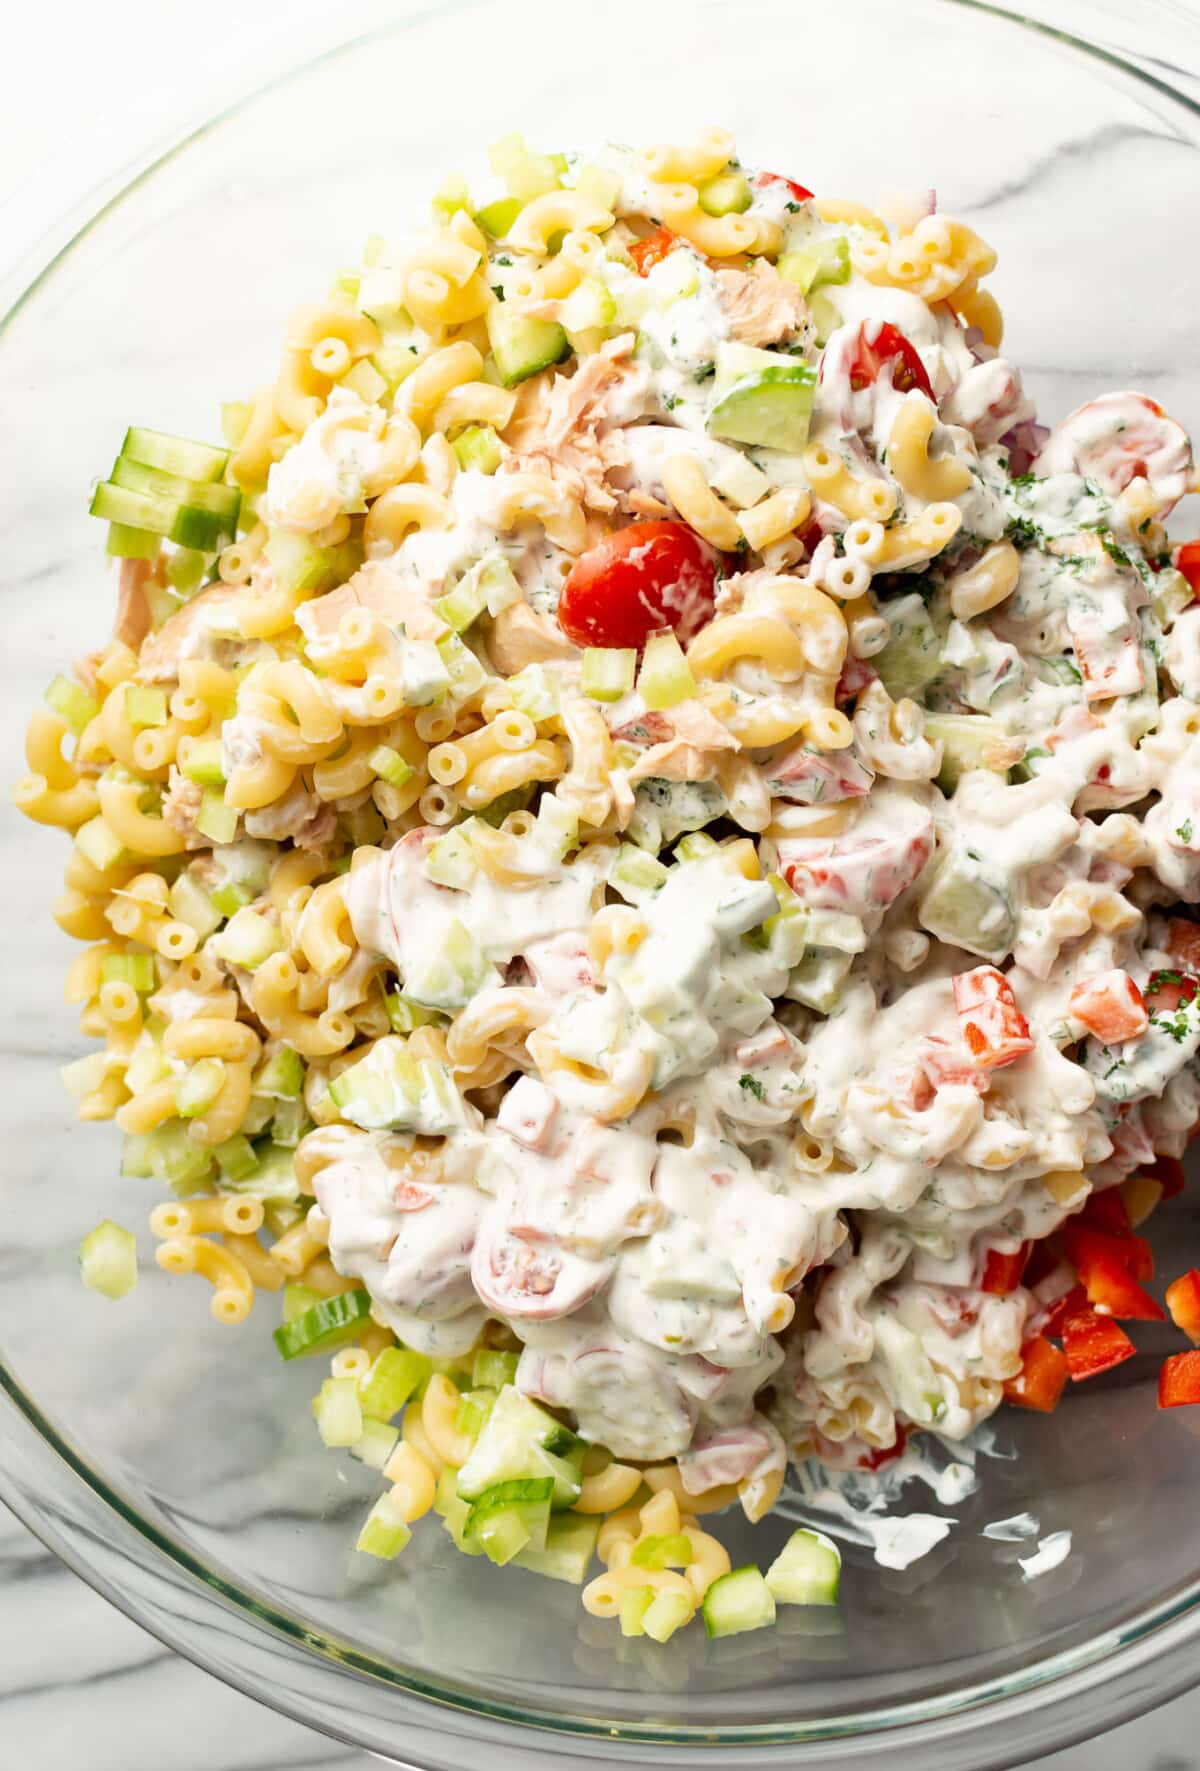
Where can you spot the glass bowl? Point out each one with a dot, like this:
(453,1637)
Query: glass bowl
(173,1463)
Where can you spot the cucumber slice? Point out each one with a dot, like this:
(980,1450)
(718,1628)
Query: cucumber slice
(966,909)
(762,398)
(511,1516)
(728,193)
(133,476)
(521,1441)
(325,1326)
(738,1601)
(806,1571)
(453,1511)
(569,1547)
(201,463)
(186,524)
(825,261)
(521,346)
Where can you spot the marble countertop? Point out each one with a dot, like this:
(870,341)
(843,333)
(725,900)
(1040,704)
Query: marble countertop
(75,1676)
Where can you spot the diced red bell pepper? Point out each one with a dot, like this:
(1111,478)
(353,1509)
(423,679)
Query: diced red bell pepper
(1179,1381)
(1183,1301)
(882,347)
(1070,1304)
(1183,942)
(1094,1344)
(1107,1211)
(995,1030)
(799,193)
(653,249)
(1110,1006)
(1168,1172)
(1187,561)
(1082,1242)
(874,1460)
(1002,1272)
(1042,1378)
(1113,1291)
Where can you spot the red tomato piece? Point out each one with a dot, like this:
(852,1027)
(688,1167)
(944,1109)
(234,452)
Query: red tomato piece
(1168,1172)
(798,192)
(1094,1344)
(856,676)
(875,1459)
(1110,1006)
(1081,1243)
(1167,990)
(1108,1211)
(817,777)
(1187,561)
(995,1030)
(885,347)
(653,249)
(636,581)
(1179,1381)
(1070,1304)
(1002,1271)
(1183,1301)
(1183,942)
(1042,1378)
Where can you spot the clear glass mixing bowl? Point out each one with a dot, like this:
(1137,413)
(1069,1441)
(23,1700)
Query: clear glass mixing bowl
(172,1462)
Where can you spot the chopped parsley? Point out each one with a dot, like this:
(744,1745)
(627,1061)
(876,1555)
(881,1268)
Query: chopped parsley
(1023,533)
(670,401)
(1180,1027)
(1184,831)
(753,1086)
(498,291)
(1115,551)
(705,371)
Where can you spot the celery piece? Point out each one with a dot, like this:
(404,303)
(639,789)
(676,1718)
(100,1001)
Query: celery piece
(190,903)
(389,765)
(496,218)
(695,846)
(236,1157)
(85,1075)
(634,872)
(136,969)
(323,1327)
(216,820)
(375,1444)
(337,1413)
(99,843)
(601,185)
(406,1016)
(534,692)
(127,543)
(297,563)
(424,676)
(363,825)
(450,860)
(448,979)
(298,1300)
(557,827)
(235,420)
(230,897)
(280,1075)
(108,1260)
(289,1123)
(473,1411)
(726,193)
(462,605)
(670,1550)
(498,583)
(204,763)
(667,1613)
(135,1158)
(451,196)
(198,1087)
(608,672)
(524,175)
(634,1604)
(517,799)
(247,939)
(257,1116)
(466,673)
(178,1161)
(72,703)
(365,381)
(386,1531)
(185,570)
(395,361)
(148,1063)
(665,678)
(824,261)
(396,1373)
(492,1370)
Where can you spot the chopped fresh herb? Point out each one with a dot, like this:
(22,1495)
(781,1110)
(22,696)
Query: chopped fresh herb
(1023,533)
(498,291)
(753,1086)
(1179,1028)
(670,401)
(1115,551)
(1184,831)
(504,261)
(705,371)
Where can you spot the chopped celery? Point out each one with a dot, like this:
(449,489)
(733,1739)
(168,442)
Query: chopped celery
(608,672)
(337,1413)
(496,218)
(695,846)
(289,1123)
(392,1379)
(667,1613)
(236,1157)
(386,1532)
(492,1370)
(473,1411)
(135,1157)
(375,1444)
(72,703)
(557,827)
(569,1547)
(99,843)
(235,421)
(389,765)
(824,315)
(634,1604)
(178,1161)
(216,820)
(108,1260)
(229,897)
(298,1300)
(85,1075)
(365,381)
(204,764)
(363,825)
(324,1326)
(524,175)
(135,969)
(257,1116)
(190,903)
(824,261)
(198,1087)
(670,1550)
(126,543)
(601,185)
(423,673)
(247,939)
(479,447)
(634,872)
(148,1063)
(970,741)
(534,692)
(727,193)
(498,582)
(448,978)
(466,673)
(281,1074)
(451,196)
(406,1016)
(273,1179)
(665,678)
(450,861)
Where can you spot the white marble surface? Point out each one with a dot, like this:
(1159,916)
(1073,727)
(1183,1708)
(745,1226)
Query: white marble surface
(87,88)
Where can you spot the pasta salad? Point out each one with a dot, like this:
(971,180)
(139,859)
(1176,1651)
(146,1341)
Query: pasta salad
(628,847)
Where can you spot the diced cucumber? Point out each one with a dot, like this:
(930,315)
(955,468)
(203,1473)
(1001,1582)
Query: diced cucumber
(198,1087)
(479,447)
(521,1441)
(671,1549)
(237,1158)
(511,1516)
(632,1608)
(135,1157)
(522,346)
(108,1260)
(247,939)
(450,861)
(634,873)
(607,672)
(72,703)
(448,978)
(912,657)
(493,1370)
(325,1326)
(124,543)
(824,315)
(298,1300)
(386,1532)
(178,1161)
(569,1547)
(969,741)
(525,175)
(824,261)
(806,1571)
(496,218)
(406,1016)
(965,908)
(667,1613)
(665,677)
(281,1075)
(289,1122)
(365,380)
(727,193)
(740,1600)
(762,398)
(199,462)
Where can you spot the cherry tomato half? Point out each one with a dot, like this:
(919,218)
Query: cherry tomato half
(1187,561)
(653,249)
(798,192)
(636,581)
(889,346)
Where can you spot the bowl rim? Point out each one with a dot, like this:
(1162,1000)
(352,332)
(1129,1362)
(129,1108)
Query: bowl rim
(1073,1694)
